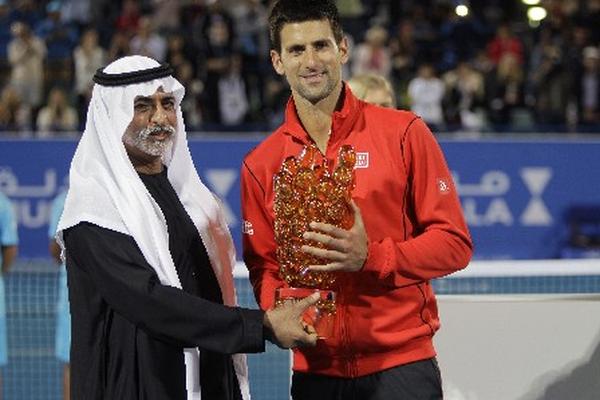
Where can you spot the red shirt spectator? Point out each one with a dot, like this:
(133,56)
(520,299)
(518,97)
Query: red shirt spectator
(504,43)
(129,18)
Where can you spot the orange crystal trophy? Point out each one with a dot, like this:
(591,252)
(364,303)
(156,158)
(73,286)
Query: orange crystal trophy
(307,191)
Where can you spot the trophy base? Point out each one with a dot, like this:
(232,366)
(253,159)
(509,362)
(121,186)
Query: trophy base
(321,316)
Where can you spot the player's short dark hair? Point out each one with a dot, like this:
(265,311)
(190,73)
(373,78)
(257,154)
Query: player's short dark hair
(290,11)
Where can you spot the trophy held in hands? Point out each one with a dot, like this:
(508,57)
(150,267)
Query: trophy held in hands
(305,192)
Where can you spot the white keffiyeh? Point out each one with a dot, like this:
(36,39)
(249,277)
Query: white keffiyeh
(105,190)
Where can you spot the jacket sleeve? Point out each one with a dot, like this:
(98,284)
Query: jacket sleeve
(441,243)
(129,285)
(259,240)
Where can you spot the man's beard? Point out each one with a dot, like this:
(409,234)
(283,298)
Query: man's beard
(144,141)
(313,97)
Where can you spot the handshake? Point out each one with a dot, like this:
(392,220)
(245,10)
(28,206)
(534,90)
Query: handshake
(285,327)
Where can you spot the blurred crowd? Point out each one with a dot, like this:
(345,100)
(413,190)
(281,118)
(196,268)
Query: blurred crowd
(492,70)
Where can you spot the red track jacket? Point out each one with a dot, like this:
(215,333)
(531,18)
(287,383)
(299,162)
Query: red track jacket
(387,312)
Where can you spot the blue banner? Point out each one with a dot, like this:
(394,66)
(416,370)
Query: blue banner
(514,193)
(32,173)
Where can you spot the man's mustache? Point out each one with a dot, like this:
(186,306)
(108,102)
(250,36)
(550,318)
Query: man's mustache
(149,130)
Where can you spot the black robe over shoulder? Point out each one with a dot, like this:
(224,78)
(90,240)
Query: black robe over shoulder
(129,330)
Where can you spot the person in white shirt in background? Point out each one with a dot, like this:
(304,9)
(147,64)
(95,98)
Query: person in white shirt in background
(426,93)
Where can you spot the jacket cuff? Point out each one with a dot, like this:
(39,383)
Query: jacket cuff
(378,260)
(254,339)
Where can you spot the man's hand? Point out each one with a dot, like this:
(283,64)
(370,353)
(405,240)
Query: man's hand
(346,249)
(286,326)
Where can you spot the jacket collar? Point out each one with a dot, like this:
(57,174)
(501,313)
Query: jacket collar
(342,121)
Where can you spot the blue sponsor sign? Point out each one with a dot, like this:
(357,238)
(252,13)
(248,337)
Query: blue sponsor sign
(514,193)
(32,173)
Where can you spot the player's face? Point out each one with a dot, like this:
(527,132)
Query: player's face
(310,59)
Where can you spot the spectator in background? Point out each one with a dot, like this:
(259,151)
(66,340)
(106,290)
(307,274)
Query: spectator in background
(9,241)
(60,39)
(119,46)
(202,32)
(177,53)
(15,115)
(28,12)
(589,87)
(590,16)
(505,43)
(373,56)
(233,98)
(147,42)
(578,39)
(63,318)
(460,37)
(26,54)
(545,48)
(353,15)
(465,97)
(218,50)
(57,115)
(557,19)
(5,35)
(426,92)
(482,63)
(507,92)
(425,35)
(77,12)
(374,89)
(127,21)
(165,15)
(250,18)
(404,56)
(190,104)
(250,25)
(547,81)
(88,57)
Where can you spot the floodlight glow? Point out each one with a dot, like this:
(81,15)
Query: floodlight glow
(536,13)
(531,2)
(462,10)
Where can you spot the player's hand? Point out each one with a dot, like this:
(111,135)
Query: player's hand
(345,249)
(286,326)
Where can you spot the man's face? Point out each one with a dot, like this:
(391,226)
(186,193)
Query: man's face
(150,132)
(310,59)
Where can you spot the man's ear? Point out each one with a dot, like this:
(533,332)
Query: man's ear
(276,61)
(344,50)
